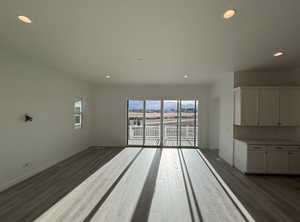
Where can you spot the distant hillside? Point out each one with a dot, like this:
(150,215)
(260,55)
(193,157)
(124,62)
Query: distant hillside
(151,105)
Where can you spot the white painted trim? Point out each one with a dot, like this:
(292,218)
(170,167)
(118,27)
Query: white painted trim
(33,172)
(228,190)
(25,176)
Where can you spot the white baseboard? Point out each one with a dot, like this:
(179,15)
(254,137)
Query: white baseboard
(25,176)
(33,172)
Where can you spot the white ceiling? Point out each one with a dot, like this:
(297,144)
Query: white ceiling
(89,38)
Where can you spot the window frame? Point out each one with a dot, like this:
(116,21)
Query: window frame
(196,122)
(78,113)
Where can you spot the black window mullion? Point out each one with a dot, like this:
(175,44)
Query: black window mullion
(144,122)
(195,121)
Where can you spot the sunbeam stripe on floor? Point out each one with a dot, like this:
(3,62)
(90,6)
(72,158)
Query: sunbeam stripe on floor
(143,206)
(77,205)
(214,203)
(121,204)
(194,205)
(170,203)
(149,185)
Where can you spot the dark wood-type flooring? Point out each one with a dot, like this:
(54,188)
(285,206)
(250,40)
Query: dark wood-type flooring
(30,198)
(268,198)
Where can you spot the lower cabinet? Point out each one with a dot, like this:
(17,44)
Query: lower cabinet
(294,162)
(267,159)
(277,161)
(256,159)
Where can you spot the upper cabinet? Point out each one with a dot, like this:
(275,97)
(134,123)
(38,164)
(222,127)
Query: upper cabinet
(267,106)
(246,97)
(289,106)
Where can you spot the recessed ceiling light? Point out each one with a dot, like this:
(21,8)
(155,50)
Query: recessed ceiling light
(24,19)
(185,76)
(229,13)
(278,54)
(108,76)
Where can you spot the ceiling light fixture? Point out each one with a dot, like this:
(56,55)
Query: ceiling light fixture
(277,54)
(108,76)
(229,13)
(185,76)
(24,19)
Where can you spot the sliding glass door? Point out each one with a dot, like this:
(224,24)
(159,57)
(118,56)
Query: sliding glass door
(168,123)
(135,130)
(152,122)
(187,122)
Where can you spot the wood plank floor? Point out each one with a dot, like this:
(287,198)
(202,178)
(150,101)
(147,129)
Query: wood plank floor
(267,198)
(137,185)
(131,184)
(29,199)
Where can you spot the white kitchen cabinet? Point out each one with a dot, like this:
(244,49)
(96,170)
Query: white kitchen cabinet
(237,107)
(249,158)
(266,159)
(277,160)
(294,161)
(256,160)
(246,106)
(289,99)
(268,107)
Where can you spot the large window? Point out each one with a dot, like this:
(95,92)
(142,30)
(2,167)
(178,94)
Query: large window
(136,122)
(187,122)
(78,113)
(169,123)
(152,122)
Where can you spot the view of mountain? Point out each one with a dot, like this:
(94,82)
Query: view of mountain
(152,105)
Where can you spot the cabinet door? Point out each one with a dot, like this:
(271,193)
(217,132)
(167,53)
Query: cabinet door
(249,108)
(237,107)
(256,161)
(294,162)
(277,160)
(269,107)
(289,106)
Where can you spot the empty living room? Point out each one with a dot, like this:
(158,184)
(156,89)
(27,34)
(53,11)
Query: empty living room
(150,111)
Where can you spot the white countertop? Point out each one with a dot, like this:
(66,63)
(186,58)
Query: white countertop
(269,142)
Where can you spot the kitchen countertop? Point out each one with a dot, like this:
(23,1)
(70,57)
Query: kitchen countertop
(269,142)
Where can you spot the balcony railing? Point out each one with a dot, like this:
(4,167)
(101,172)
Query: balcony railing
(153,132)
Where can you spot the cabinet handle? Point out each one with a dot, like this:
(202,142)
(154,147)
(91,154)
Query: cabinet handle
(278,148)
(256,147)
(290,153)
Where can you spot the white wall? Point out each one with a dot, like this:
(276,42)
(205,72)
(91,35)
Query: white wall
(214,121)
(111,102)
(221,121)
(26,87)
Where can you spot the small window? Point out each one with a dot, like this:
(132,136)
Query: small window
(78,113)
